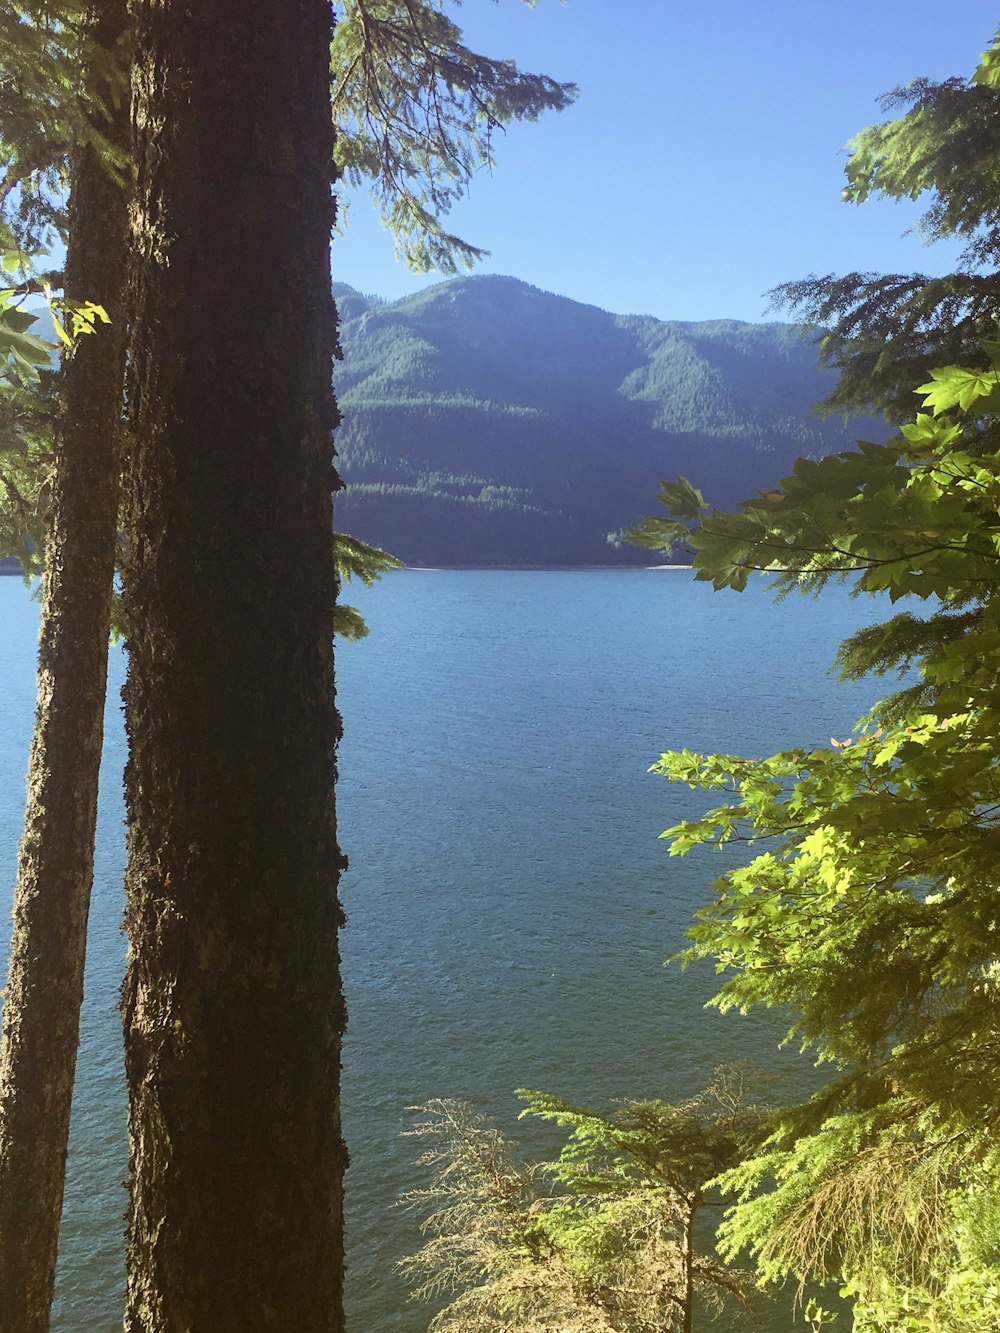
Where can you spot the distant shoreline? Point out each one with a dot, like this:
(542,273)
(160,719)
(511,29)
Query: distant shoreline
(515,569)
(15,571)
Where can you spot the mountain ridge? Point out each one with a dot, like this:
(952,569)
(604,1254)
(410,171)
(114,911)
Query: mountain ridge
(489,422)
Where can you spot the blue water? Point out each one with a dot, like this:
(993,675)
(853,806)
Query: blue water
(510,904)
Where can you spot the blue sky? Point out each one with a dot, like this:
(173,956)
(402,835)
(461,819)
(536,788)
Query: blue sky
(703,162)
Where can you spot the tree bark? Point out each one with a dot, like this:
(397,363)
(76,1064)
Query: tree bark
(232,1006)
(41,1015)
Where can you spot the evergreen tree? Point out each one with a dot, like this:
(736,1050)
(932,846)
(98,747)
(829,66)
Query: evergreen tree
(868,913)
(52,895)
(43,116)
(602,1240)
(884,332)
(232,1004)
(417,113)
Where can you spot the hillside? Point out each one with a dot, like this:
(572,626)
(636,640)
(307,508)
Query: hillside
(489,423)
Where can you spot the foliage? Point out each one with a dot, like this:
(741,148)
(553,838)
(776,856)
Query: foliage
(883,331)
(357,560)
(870,914)
(417,114)
(46,109)
(27,414)
(487,1243)
(599,1241)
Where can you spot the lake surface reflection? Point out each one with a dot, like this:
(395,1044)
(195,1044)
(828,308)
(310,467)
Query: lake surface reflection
(509,903)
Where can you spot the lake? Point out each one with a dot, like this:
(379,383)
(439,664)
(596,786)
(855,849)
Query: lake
(510,904)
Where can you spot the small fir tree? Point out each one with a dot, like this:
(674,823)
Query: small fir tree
(603,1239)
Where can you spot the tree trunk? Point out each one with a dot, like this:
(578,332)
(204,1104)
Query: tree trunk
(41,1015)
(688,1265)
(232,1005)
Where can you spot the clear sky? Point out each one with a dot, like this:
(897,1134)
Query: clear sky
(703,161)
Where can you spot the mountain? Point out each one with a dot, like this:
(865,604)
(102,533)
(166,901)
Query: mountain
(487,422)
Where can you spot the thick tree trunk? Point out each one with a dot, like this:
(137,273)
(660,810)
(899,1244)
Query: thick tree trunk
(52,896)
(232,1004)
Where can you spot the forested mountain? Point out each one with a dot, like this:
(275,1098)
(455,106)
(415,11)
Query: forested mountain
(487,422)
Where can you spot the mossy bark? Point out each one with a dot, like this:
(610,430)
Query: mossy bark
(232,1004)
(55,869)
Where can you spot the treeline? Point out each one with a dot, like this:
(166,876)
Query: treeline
(556,409)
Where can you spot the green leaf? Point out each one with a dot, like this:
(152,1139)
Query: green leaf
(955,386)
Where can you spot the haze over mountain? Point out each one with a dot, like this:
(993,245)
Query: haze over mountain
(487,422)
